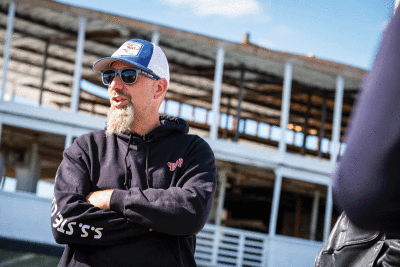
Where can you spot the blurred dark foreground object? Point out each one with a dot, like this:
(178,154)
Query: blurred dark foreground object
(366,184)
(350,246)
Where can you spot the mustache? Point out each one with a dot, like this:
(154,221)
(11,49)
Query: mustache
(126,95)
(119,92)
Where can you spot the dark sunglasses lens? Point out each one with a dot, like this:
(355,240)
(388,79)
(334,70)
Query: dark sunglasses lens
(128,76)
(108,76)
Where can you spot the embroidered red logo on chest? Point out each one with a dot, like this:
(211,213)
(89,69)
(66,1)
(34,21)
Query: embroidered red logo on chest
(172,166)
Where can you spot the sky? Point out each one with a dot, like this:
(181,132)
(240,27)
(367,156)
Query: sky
(344,31)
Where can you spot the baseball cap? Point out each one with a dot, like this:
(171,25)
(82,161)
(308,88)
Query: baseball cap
(141,54)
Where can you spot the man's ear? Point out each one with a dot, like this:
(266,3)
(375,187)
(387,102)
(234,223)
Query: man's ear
(162,86)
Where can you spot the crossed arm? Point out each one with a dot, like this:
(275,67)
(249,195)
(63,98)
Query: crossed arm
(120,214)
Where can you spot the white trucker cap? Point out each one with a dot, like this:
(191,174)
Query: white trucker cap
(141,54)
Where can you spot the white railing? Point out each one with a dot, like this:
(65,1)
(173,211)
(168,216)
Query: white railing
(223,246)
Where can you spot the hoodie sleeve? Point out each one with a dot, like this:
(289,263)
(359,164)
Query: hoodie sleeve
(179,210)
(366,184)
(75,221)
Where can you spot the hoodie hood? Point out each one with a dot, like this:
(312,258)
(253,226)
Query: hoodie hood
(168,125)
(173,124)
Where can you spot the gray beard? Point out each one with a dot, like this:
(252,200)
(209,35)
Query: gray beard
(119,119)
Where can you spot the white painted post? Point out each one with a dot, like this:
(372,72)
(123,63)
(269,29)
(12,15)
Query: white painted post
(215,246)
(221,196)
(328,212)
(78,65)
(219,69)
(28,176)
(273,221)
(275,203)
(68,140)
(7,48)
(287,87)
(337,118)
(314,215)
(155,38)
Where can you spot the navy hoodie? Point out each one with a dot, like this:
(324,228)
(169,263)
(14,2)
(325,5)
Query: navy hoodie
(164,181)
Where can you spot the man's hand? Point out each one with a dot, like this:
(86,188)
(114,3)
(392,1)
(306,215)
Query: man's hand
(100,199)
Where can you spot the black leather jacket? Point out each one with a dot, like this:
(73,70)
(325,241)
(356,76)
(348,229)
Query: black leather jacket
(350,246)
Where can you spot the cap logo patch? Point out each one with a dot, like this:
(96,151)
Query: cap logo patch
(129,49)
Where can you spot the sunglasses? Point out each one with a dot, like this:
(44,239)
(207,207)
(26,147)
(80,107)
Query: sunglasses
(127,76)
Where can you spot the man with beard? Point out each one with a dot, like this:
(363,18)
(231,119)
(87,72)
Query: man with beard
(137,192)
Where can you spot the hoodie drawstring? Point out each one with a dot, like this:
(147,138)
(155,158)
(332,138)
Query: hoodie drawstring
(126,164)
(147,166)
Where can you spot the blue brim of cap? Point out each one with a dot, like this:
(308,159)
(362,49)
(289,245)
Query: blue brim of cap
(105,63)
